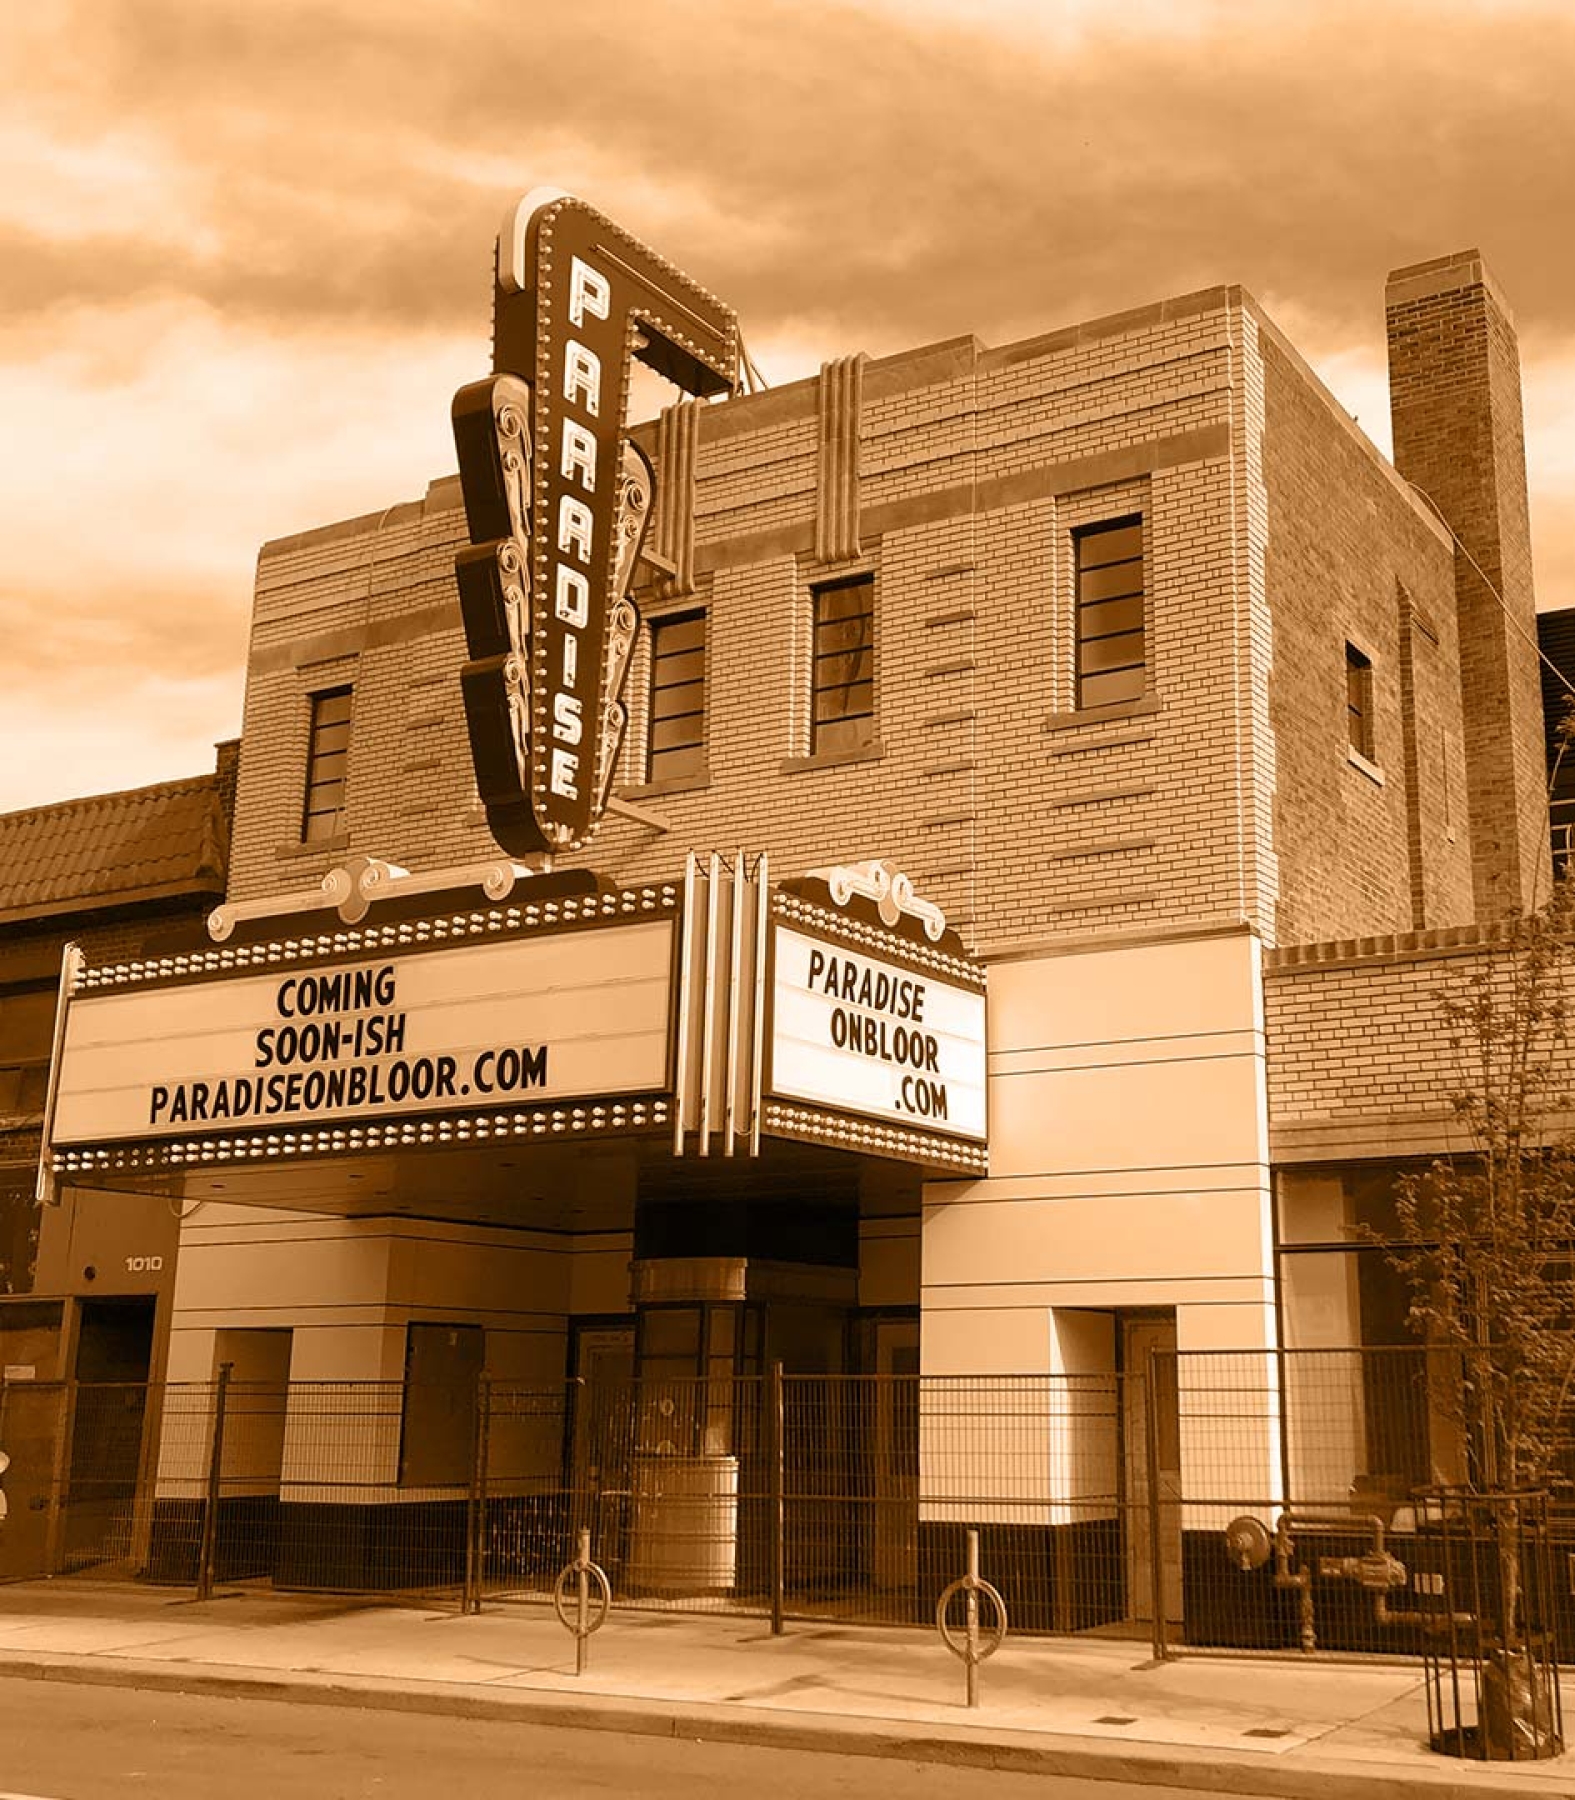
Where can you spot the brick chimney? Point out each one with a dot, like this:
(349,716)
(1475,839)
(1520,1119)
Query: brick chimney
(1454,396)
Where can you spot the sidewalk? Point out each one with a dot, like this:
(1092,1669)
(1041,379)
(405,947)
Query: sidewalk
(1089,1707)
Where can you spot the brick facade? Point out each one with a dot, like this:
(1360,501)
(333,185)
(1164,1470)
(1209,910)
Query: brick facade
(121,876)
(1377,846)
(1272,532)
(1454,382)
(1362,1059)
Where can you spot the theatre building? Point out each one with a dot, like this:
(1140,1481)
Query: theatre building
(1018,736)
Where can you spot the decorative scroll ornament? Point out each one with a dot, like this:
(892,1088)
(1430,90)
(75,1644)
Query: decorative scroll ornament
(890,889)
(636,488)
(556,503)
(492,429)
(511,416)
(352,889)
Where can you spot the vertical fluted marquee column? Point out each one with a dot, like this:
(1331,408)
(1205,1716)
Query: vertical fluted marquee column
(837,486)
(556,503)
(677,452)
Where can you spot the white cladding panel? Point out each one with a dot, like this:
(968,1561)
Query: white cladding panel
(463,1024)
(858,1034)
(1128,1158)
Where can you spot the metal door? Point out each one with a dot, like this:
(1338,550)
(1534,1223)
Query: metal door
(1148,1351)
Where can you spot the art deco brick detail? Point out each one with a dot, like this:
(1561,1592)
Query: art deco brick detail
(673,537)
(1414,629)
(837,488)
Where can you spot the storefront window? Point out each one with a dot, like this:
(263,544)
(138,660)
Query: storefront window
(1365,1422)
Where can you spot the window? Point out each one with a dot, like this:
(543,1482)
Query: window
(1359,702)
(327,756)
(18,1248)
(843,715)
(677,699)
(27,1036)
(1111,662)
(1562,818)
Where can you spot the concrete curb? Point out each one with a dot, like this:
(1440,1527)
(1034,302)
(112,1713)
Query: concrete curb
(1309,1777)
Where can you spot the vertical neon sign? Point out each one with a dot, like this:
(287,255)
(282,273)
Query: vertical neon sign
(556,502)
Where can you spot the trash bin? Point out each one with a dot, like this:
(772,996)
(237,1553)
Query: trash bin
(683,1536)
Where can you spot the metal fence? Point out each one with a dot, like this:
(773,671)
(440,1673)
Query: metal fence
(1239,1500)
(843,1497)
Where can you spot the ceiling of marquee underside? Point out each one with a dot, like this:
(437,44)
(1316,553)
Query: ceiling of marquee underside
(560,1187)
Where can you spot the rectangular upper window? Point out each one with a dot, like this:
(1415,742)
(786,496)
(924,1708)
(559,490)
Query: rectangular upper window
(327,761)
(1359,702)
(843,713)
(677,746)
(1112,662)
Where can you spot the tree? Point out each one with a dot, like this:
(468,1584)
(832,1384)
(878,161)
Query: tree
(1484,1241)
(1485,1244)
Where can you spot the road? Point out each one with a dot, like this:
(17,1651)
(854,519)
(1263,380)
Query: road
(60,1741)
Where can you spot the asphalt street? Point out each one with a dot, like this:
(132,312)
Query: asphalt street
(59,1741)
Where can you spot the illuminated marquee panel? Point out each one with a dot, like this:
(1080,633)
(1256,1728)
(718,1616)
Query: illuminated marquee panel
(857,1032)
(517,1023)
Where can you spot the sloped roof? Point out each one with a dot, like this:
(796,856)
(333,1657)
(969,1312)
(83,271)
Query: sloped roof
(111,849)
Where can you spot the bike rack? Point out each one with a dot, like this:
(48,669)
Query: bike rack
(977,1643)
(589,1615)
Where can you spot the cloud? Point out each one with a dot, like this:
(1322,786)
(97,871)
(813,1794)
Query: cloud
(1548,389)
(175,443)
(245,249)
(886,175)
(111,730)
(179,440)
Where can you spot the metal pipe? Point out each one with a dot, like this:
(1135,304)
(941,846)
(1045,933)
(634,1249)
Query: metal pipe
(971,1601)
(1156,1536)
(582,1626)
(778,1476)
(1376,1571)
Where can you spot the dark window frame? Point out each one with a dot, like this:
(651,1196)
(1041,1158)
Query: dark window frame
(683,756)
(1359,703)
(27,1042)
(327,763)
(1110,613)
(842,667)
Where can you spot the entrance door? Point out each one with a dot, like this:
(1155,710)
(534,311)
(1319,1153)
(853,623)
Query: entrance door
(246,1525)
(601,1442)
(896,1472)
(114,1351)
(1148,1357)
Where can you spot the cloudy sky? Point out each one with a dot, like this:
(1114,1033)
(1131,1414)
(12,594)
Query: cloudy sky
(244,248)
